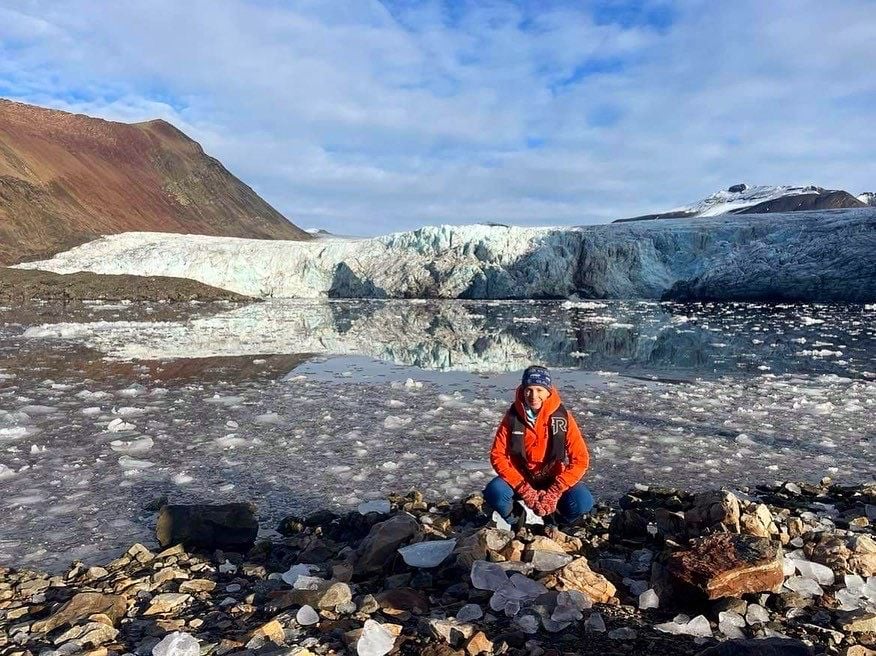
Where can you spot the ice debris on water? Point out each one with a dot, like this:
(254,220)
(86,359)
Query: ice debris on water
(307,616)
(118,425)
(381,506)
(427,554)
(375,640)
(177,644)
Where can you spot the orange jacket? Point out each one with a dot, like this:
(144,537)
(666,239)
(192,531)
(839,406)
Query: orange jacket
(536,441)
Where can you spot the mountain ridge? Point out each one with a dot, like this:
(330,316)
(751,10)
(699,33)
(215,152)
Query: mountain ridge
(761,199)
(68,178)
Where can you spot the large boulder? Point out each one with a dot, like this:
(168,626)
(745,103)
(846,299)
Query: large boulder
(230,526)
(382,540)
(727,565)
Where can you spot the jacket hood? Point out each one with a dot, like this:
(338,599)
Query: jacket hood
(550,405)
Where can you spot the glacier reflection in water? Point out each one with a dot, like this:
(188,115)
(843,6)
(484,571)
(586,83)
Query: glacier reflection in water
(302,405)
(637,338)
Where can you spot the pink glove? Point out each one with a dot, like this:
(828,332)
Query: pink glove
(528,494)
(548,501)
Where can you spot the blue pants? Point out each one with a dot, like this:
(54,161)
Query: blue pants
(575,501)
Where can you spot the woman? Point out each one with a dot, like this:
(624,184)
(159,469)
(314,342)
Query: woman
(539,454)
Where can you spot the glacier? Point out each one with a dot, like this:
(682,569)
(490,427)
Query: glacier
(814,256)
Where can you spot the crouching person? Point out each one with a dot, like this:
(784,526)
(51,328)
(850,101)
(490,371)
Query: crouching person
(539,454)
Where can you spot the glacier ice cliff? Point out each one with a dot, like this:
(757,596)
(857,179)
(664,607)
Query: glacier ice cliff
(819,256)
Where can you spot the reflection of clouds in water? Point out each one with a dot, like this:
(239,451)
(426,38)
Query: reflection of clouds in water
(643,338)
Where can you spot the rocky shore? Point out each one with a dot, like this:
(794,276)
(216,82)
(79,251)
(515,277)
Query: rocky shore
(784,569)
(23,285)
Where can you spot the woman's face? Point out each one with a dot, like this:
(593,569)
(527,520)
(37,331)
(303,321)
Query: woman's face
(535,396)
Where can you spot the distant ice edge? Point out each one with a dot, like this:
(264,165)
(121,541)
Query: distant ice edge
(819,256)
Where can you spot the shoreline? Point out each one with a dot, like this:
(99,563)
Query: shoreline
(324,579)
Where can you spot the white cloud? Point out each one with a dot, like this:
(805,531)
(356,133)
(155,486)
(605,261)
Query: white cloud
(362,117)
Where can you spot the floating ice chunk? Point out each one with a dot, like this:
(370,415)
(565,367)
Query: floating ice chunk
(268,418)
(381,506)
(37,449)
(128,411)
(37,410)
(649,599)
(133,446)
(804,586)
(730,624)
(6,472)
(130,463)
(307,616)
(820,573)
(181,479)
(177,644)
(375,640)
(392,422)
(488,576)
(118,425)
(12,433)
(595,623)
(427,554)
(91,411)
(229,442)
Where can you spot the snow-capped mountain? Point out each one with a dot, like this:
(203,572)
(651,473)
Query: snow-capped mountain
(868,198)
(760,199)
(806,256)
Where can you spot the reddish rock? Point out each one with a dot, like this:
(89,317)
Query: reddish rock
(727,565)
(68,178)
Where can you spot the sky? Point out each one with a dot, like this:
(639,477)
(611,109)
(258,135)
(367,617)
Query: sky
(366,117)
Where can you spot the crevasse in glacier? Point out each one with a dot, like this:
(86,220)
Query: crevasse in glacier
(807,256)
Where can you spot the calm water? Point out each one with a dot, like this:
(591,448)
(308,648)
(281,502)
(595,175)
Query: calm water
(297,405)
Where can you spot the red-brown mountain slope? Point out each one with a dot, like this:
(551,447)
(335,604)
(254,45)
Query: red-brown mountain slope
(68,178)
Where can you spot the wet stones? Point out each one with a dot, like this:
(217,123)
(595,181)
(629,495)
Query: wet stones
(716,510)
(383,539)
(81,606)
(230,527)
(577,575)
(727,565)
